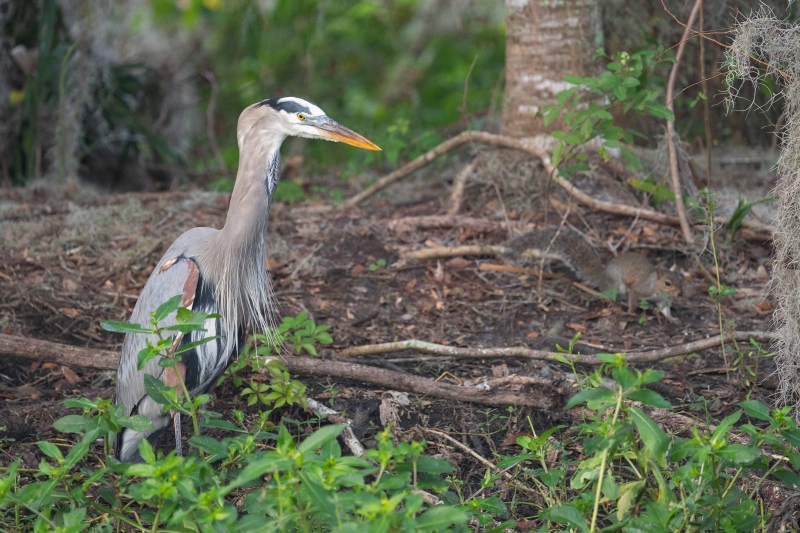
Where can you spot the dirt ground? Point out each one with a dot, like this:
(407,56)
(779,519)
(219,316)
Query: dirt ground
(69,259)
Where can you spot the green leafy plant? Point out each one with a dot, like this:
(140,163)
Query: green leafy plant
(632,476)
(586,108)
(186,321)
(249,476)
(743,208)
(380,263)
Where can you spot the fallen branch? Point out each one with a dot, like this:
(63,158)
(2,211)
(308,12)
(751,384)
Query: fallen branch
(453,251)
(651,356)
(416,384)
(46,351)
(518,144)
(673,152)
(63,354)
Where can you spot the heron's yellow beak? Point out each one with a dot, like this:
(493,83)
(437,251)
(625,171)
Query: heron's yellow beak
(336,132)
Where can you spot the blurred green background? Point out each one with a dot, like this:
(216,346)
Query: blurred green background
(393,70)
(145,94)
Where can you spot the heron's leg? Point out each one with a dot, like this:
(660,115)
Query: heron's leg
(176,421)
(171,380)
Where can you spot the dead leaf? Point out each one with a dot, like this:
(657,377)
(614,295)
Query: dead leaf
(532,334)
(69,285)
(70,376)
(511,439)
(580,328)
(410,285)
(458,262)
(357,270)
(70,312)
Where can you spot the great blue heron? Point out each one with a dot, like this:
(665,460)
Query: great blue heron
(220,271)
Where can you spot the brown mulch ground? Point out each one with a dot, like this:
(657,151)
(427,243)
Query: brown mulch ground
(68,261)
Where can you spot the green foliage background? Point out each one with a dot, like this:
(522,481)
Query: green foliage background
(386,68)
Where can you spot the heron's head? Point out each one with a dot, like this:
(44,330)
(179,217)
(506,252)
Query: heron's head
(295,117)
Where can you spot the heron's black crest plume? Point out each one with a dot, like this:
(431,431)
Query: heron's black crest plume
(289,105)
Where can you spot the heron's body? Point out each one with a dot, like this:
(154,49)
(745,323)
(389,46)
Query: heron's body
(220,271)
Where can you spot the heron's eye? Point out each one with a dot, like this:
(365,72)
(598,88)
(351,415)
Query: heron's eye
(301,116)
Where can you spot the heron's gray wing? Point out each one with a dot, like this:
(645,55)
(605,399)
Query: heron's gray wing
(175,274)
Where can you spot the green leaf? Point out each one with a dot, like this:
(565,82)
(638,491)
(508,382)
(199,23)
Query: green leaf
(620,92)
(493,504)
(186,346)
(655,440)
(439,518)
(145,355)
(566,514)
(74,424)
(558,153)
(136,422)
(184,328)
(146,451)
(740,454)
(221,424)
(324,338)
(81,403)
(432,465)
(209,445)
(50,449)
(116,326)
(660,111)
(320,436)
(756,409)
(183,315)
(648,397)
(166,308)
(156,389)
(788,477)
(80,449)
(793,436)
(591,397)
(564,95)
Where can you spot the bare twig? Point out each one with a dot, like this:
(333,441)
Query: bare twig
(485,462)
(673,152)
(457,195)
(349,438)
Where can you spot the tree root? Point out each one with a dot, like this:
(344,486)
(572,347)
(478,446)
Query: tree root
(759,230)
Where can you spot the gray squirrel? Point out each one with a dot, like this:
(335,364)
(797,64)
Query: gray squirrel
(630,273)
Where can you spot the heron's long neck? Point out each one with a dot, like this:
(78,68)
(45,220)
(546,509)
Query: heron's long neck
(235,260)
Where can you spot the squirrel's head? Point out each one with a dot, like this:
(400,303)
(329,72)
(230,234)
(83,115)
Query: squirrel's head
(668,282)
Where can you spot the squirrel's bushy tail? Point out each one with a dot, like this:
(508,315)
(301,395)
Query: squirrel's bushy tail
(565,245)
